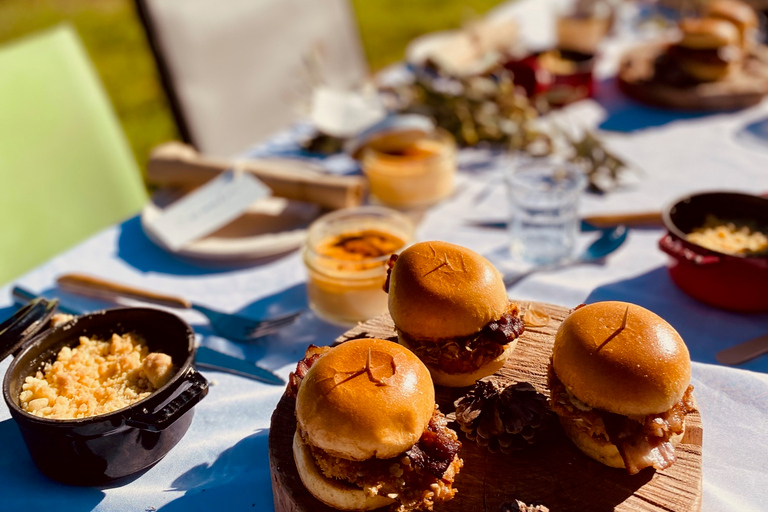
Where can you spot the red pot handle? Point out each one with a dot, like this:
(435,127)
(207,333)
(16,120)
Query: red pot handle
(675,248)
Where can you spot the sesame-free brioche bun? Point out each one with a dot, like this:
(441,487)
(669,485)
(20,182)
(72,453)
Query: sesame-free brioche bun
(441,290)
(640,369)
(365,398)
(707,71)
(334,493)
(460,380)
(708,33)
(598,448)
(742,15)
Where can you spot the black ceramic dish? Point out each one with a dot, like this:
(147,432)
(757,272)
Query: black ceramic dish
(102,449)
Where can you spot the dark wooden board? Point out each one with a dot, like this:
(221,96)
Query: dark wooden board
(552,472)
(742,89)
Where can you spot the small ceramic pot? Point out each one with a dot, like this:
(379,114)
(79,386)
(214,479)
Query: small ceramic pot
(102,449)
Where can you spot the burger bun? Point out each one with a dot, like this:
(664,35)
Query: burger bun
(441,290)
(330,491)
(741,14)
(598,448)
(708,33)
(365,398)
(621,358)
(707,71)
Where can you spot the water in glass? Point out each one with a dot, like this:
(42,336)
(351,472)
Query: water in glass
(544,220)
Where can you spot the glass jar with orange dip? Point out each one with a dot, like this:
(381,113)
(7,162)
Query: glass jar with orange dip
(410,168)
(346,256)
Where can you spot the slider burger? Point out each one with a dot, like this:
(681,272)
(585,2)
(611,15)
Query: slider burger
(450,307)
(709,50)
(620,383)
(368,433)
(738,13)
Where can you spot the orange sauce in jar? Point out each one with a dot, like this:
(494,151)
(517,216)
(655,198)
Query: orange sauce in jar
(410,169)
(346,256)
(360,247)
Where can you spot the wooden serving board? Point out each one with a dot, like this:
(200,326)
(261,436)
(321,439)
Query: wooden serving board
(740,90)
(551,472)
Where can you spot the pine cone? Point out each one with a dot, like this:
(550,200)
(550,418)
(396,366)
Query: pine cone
(519,506)
(501,417)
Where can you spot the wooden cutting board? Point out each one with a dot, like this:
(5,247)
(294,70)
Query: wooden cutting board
(740,90)
(552,472)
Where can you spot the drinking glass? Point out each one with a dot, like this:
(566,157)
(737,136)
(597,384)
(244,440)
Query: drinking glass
(543,200)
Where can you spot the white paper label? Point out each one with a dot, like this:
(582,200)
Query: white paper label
(210,207)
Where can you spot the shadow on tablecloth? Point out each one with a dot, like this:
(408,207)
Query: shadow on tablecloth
(238,479)
(626,115)
(22,480)
(288,345)
(705,329)
(140,252)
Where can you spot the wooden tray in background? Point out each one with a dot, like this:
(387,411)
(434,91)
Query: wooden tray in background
(744,89)
(552,472)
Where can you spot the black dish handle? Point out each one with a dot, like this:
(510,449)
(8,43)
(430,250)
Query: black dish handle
(176,408)
(25,324)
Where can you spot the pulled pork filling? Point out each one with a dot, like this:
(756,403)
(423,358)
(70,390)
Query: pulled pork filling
(417,478)
(466,354)
(642,441)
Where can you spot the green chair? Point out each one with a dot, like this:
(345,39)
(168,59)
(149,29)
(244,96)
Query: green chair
(66,169)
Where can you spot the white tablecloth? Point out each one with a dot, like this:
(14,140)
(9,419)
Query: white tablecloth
(222,461)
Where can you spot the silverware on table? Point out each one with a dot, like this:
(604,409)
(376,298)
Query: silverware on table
(204,357)
(595,222)
(230,326)
(607,243)
(208,358)
(744,351)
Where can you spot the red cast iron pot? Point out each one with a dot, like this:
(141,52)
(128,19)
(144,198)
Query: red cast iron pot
(738,283)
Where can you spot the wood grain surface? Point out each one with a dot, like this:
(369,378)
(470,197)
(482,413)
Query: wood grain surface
(742,89)
(551,472)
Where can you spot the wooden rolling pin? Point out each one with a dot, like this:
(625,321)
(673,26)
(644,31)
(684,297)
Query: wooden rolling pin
(175,164)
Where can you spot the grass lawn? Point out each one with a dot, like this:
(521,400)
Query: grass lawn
(115,41)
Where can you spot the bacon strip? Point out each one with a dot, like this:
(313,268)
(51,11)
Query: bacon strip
(468,353)
(641,442)
(437,447)
(312,354)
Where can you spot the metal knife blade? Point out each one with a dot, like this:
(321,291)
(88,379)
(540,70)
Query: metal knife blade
(744,351)
(209,358)
(585,226)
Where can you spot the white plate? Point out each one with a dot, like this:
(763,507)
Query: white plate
(270,227)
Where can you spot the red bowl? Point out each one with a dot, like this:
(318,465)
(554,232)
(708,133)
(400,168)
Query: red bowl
(558,89)
(727,281)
